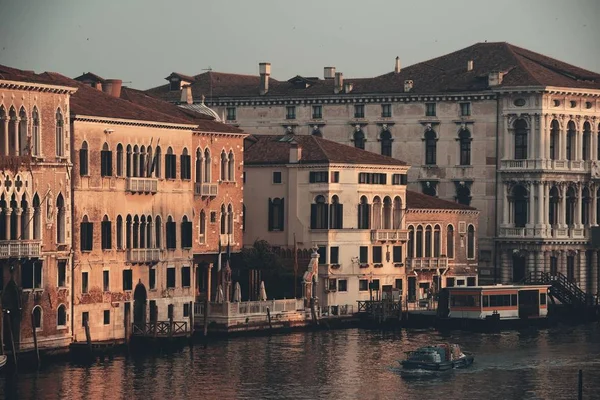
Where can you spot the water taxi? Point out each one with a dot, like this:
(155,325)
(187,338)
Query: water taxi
(440,357)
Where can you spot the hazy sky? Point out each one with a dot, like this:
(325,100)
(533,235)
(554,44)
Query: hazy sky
(142,41)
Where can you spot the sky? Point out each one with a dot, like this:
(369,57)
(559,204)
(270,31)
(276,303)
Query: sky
(143,41)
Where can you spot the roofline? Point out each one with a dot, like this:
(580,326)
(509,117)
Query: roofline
(462,210)
(550,89)
(122,121)
(330,164)
(243,135)
(39,86)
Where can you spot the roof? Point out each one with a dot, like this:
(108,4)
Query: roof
(13,74)
(445,74)
(275,149)
(420,201)
(89,77)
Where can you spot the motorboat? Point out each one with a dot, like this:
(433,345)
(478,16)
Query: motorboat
(3,359)
(439,357)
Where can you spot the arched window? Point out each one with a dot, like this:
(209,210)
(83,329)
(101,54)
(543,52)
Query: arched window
(149,242)
(223,166)
(142,161)
(231,167)
(571,135)
(37,317)
(129,161)
(25,215)
(450,241)
(86,234)
(428,241)
(437,241)
(37,218)
(83,160)
(22,147)
(61,316)
(386,143)
(119,159)
(359,139)
(60,139)
(171,233)
(61,215)
(520,127)
(158,232)
(143,232)
(419,240)
(397,212)
(170,164)
(463,195)
(336,214)
(554,132)
(186,233)
(202,226)
(207,169)
(571,201)
(377,211)
(14,206)
(387,213)
(471,242)
(230,219)
(36,137)
(520,201)
(586,141)
(411,242)
(149,162)
(106,161)
(430,147)
(136,161)
(106,233)
(199,165)
(156,165)
(554,204)
(364,220)
(128,232)
(319,218)
(186,164)
(223,220)
(585,206)
(119,232)
(464,138)
(136,232)
(276,214)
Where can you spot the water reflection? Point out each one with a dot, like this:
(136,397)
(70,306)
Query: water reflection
(343,364)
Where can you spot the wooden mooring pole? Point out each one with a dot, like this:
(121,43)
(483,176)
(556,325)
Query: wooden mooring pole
(88,336)
(191,321)
(580,386)
(35,342)
(207,300)
(12,338)
(2,332)
(269,318)
(127,324)
(155,319)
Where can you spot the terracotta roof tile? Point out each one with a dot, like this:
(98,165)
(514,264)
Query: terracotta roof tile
(13,74)
(275,149)
(420,201)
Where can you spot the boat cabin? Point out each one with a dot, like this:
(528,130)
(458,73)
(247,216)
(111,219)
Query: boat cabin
(506,301)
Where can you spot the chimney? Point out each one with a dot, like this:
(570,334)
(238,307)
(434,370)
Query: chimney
(264,69)
(338,82)
(397,67)
(495,78)
(295,152)
(112,87)
(348,87)
(186,95)
(408,85)
(470,65)
(328,72)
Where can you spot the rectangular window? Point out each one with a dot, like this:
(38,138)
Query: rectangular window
(335,176)
(231,114)
(105,227)
(186,310)
(106,317)
(322,250)
(449,282)
(359,111)
(374,285)
(277,177)
(342,285)
(152,279)
(62,273)
(170,166)
(171,235)
(170,278)
(364,254)
(372,178)
(377,259)
(106,163)
(430,109)
(398,284)
(213,217)
(186,278)
(84,282)
(399,179)
(397,254)
(465,109)
(363,285)
(317,177)
(186,235)
(332,284)
(106,281)
(86,232)
(386,110)
(471,281)
(290,112)
(83,162)
(317,112)
(334,255)
(186,166)
(127,279)
(542,299)
(85,317)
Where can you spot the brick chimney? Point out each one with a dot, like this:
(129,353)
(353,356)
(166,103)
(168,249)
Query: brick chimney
(186,94)
(295,152)
(264,69)
(495,78)
(329,73)
(338,82)
(397,67)
(112,87)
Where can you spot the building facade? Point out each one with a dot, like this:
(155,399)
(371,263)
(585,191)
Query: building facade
(35,200)
(448,117)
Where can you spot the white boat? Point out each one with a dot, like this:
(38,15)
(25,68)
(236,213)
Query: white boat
(3,361)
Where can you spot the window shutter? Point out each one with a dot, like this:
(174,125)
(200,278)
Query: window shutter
(83,235)
(340,213)
(182,173)
(281,215)
(311,177)
(270,221)
(313,216)
(83,162)
(368,218)
(109,163)
(326,218)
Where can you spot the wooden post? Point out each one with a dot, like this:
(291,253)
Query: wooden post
(171,321)
(580,388)
(269,318)
(127,324)
(88,336)
(2,332)
(313,311)
(191,318)
(35,342)
(155,319)
(207,300)
(12,338)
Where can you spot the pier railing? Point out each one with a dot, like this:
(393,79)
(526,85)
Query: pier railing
(232,309)
(337,311)
(161,328)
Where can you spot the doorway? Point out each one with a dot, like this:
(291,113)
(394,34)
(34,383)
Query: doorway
(139,305)
(518,271)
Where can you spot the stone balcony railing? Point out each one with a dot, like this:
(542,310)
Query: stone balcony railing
(554,165)
(544,232)
(142,185)
(389,235)
(426,263)
(20,248)
(143,256)
(226,239)
(206,189)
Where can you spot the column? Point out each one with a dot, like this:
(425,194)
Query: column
(505,204)
(533,153)
(8,212)
(578,207)
(150,239)
(562,262)
(581,274)
(507,153)
(541,126)
(563,208)
(594,273)
(539,263)
(531,212)
(19,211)
(542,205)
(531,256)
(5,123)
(505,268)
(16,136)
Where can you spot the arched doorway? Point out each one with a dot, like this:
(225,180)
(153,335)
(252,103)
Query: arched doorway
(518,267)
(11,318)
(139,304)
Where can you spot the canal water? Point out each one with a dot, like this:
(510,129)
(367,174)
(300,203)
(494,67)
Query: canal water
(337,364)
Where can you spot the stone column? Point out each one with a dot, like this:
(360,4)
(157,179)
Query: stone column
(563,207)
(505,267)
(505,215)
(8,212)
(150,239)
(531,211)
(594,273)
(6,149)
(593,209)
(546,261)
(531,256)
(531,139)
(541,131)
(16,136)
(18,211)
(507,153)
(578,207)
(542,214)
(580,273)
(29,226)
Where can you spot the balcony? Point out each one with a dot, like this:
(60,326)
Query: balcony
(141,185)
(544,232)
(20,248)
(540,165)
(226,239)
(206,189)
(143,256)
(430,263)
(389,235)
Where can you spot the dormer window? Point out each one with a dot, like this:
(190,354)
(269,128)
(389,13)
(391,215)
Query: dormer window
(175,83)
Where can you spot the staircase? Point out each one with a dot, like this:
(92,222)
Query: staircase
(561,289)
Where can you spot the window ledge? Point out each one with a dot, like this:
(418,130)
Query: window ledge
(61,327)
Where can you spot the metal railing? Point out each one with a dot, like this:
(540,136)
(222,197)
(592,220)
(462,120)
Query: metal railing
(142,185)
(20,248)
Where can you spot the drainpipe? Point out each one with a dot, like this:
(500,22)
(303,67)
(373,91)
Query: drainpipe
(496,258)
